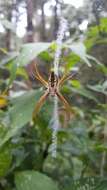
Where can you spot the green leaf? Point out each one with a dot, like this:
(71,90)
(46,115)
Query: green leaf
(75,83)
(71,60)
(46,56)
(13,69)
(84,92)
(80,50)
(89,42)
(93,59)
(93,36)
(93,32)
(22,72)
(5,160)
(104,24)
(9,59)
(30,51)
(32,180)
(98,88)
(103,68)
(20,113)
(77,167)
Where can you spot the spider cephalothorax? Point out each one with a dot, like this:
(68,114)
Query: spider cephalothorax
(52,88)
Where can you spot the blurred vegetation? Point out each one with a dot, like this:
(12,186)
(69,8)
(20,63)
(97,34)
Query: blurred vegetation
(25,158)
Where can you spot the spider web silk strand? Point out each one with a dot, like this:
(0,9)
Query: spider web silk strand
(56,124)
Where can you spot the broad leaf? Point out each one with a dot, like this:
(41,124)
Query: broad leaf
(30,51)
(5,160)
(20,113)
(32,180)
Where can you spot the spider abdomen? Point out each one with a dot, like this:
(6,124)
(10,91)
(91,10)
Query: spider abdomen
(53,81)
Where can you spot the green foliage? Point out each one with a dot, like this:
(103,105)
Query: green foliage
(80,50)
(5,160)
(102,88)
(94,36)
(71,60)
(29,51)
(31,180)
(25,145)
(13,69)
(84,92)
(91,183)
(77,88)
(20,113)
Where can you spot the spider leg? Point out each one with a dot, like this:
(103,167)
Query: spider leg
(33,75)
(40,103)
(66,77)
(39,77)
(66,104)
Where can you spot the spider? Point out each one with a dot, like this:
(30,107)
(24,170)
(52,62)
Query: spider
(52,88)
